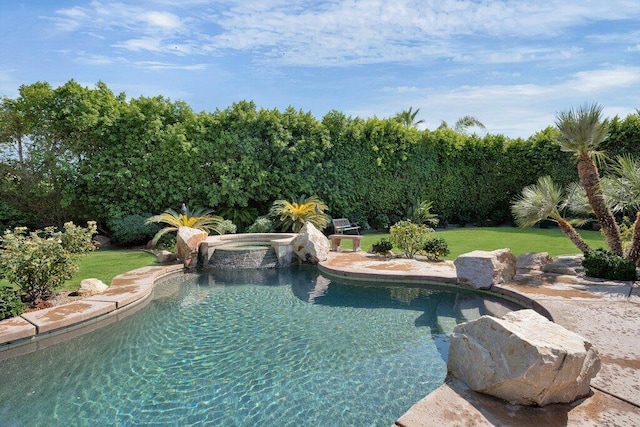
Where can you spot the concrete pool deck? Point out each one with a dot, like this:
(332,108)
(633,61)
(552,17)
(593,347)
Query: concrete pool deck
(604,312)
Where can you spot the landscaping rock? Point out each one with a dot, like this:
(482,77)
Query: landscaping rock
(165,257)
(90,287)
(187,244)
(533,261)
(523,358)
(566,264)
(310,245)
(101,241)
(482,269)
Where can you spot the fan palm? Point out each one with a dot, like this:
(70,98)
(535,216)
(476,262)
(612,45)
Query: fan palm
(201,219)
(293,215)
(625,193)
(581,132)
(545,200)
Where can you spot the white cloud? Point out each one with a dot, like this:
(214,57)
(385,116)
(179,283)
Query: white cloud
(147,43)
(349,32)
(155,65)
(514,110)
(163,20)
(594,81)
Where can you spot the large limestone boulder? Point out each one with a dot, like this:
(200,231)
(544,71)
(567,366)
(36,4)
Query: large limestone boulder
(91,286)
(533,261)
(187,244)
(482,269)
(523,358)
(310,245)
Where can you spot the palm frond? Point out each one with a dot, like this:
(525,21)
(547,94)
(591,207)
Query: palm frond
(624,186)
(538,202)
(200,218)
(293,215)
(582,130)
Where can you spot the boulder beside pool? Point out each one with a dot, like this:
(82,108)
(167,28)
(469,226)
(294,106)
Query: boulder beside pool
(523,358)
(310,245)
(483,269)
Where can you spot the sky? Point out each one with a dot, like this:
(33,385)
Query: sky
(511,64)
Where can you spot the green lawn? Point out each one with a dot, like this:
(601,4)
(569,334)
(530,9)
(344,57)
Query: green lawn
(105,265)
(519,240)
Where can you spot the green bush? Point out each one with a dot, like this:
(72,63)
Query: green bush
(227,227)
(261,225)
(131,230)
(435,249)
(10,303)
(42,260)
(382,246)
(604,264)
(409,237)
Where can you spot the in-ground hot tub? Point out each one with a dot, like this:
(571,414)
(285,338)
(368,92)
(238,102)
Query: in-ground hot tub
(242,251)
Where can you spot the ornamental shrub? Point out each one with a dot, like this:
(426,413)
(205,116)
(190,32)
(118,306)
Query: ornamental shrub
(261,225)
(10,303)
(227,227)
(42,260)
(603,264)
(382,246)
(409,237)
(435,249)
(131,230)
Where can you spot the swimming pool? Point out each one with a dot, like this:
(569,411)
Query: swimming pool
(246,347)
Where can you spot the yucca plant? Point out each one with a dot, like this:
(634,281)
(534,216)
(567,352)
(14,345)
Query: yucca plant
(293,215)
(200,218)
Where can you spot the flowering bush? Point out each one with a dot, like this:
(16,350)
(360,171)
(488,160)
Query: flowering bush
(42,260)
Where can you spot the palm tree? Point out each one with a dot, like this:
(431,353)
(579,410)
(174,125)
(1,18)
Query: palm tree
(466,122)
(293,215)
(581,132)
(545,200)
(408,118)
(201,219)
(625,196)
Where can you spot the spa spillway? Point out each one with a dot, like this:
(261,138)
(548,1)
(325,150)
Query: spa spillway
(247,251)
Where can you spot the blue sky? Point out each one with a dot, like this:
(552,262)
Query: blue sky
(511,64)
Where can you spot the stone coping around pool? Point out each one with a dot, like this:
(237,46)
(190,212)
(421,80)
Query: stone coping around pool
(127,291)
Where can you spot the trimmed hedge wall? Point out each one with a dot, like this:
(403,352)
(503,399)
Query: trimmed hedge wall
(102,157)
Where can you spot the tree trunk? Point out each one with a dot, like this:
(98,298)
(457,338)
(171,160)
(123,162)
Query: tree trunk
(634,250)
(590,181)
(573,235)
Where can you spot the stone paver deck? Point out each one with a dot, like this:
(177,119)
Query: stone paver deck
(605,313)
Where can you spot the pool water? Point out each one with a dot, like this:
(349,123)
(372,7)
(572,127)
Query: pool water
(246,348)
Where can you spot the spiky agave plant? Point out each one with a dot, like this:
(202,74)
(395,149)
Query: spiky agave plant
(200,218)
(293,215)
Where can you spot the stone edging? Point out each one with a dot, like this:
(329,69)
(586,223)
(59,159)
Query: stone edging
(38,329)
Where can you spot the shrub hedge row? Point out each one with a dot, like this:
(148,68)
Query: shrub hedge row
(95,155)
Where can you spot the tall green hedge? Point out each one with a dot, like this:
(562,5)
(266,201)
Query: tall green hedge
(92,154)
